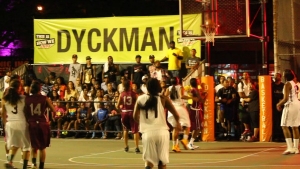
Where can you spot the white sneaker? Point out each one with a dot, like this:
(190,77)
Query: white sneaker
(296,150)
(33,167)
(195,147)
(191,146)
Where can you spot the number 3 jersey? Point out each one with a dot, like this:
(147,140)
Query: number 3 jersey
(36,108)
(16,112)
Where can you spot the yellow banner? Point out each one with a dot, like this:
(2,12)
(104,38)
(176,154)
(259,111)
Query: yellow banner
(265,104)
(208,130)
(56,40)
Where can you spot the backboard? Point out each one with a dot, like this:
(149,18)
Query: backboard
(230,18)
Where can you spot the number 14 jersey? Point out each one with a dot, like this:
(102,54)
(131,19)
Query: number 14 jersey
(35,107)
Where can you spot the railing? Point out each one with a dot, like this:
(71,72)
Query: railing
(197,73)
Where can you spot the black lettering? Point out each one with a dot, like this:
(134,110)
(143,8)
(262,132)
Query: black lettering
(78,38)
(98,45)
(108,39)
(134,37)
(145,43)
(59,41)
(163,36)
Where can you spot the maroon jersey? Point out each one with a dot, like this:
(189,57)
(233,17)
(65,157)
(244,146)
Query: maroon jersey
(128,99)
(35,106)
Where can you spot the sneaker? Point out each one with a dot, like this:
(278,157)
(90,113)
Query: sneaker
(191,147)
(246,132)
(287,152)
(176,149)
(126,149)
(184,142)
(8,166)
(29,164)
(296,150)
(253,139)
(137,150)
(33,166)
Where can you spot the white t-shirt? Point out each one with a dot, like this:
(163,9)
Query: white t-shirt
(6,85)
(218,87)
(245,89)
(74,70)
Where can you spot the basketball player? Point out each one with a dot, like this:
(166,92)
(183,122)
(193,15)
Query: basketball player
(15,124)
(36,112)
(290,114)
(126,102)
(149,112)
(176,94)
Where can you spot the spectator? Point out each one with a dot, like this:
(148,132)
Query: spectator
(101,116)
(244,91)
(220,83)
(85,98)
(225,97)
(110,92)
(54,95)
(52,77)
(174,56)
(7,79)
(74,69)
(105,83)
(46,87)
(97,100)
(151,67)
(143,86)
(138,71)
(62,87)
(83,118)
(253,109)
(89,71)
(160,73)
(120,85)
(192,63)
(71,91)
(59,118)
(111,69)
(113,123)
(78,85)
(72,107)
(277,95)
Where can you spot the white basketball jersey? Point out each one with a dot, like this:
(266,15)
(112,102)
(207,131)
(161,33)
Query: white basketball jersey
(177,101)
(293,92)
(152,123)
(16,112)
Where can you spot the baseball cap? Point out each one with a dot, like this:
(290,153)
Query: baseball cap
(105,75)
(145,77)
(138,56)
(88,58)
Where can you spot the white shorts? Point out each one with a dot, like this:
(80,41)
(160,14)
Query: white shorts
(156,146)
(184,118)
(290,115)
(17,135)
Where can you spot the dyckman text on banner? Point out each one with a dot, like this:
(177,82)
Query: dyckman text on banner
(56,40)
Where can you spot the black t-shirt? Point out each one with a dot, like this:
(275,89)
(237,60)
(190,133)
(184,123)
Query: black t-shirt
(254,103)
(137,76)
(226,93)
(277,93)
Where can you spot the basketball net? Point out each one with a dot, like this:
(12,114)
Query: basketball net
(209,32)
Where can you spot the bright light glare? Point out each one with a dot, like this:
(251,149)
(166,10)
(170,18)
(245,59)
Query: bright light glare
(39,8)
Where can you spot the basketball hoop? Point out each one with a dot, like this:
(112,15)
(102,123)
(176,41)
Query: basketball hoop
(209,32)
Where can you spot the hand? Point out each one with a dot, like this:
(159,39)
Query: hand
(243,103)
(174,54)
(278,107)
(178,126)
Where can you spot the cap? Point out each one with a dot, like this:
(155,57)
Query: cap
(88,58)
(105,75)
(74,56)
(138,56)
(145,77)
(151,56)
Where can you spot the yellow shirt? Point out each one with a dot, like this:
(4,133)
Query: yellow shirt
(174,63)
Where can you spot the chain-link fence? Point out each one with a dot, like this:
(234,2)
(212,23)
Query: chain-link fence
(286,19)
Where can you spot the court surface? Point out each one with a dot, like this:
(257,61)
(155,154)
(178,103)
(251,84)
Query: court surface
(99,153)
